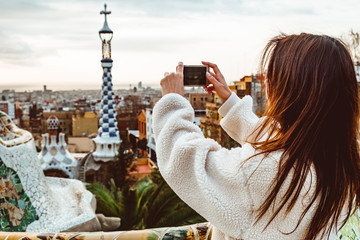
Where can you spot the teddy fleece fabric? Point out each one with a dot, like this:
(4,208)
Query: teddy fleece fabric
(225,186)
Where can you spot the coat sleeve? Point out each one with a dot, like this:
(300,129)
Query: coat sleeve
(239,120)
(209,178)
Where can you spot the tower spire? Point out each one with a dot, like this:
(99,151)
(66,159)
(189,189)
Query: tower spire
(108,140)
(105,28)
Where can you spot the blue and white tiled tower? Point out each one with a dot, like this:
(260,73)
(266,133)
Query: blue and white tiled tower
(108,140)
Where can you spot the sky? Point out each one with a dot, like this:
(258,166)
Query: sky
(56,42)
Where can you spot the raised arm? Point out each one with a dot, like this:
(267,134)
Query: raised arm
(209,178)
(239,120)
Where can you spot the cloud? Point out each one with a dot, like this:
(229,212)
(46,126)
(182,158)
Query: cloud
(14,51)
(17,51)
(186,8)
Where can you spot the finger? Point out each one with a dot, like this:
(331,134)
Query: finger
(211,79)
(165,74)
(180,67)
(213,66)
(214,75)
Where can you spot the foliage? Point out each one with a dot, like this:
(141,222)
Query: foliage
(142,144)
(229,143)
(150,204)
(118,170)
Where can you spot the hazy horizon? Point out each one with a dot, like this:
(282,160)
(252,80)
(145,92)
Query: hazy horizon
(60,87)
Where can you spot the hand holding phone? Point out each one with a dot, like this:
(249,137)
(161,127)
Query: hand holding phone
(173,82)
(218,82)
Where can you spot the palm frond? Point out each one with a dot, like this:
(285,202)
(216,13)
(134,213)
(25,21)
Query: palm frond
(181,217)
(107,203)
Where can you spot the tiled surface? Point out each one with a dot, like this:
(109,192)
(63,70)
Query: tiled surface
(108,140)
(59,203)
(54,155)
(108,123)
(193,232)
(16,210)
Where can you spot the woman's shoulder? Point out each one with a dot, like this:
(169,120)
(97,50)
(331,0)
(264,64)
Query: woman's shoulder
(259,163)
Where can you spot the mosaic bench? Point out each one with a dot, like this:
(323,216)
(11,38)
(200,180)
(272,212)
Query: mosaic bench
(200,231)
(29,201)
(193,232)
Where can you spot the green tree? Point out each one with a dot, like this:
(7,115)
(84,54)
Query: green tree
(142,144)
(118,170)
(150,204)
(159,206)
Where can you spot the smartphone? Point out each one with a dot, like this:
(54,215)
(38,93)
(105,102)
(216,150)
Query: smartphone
(195,75)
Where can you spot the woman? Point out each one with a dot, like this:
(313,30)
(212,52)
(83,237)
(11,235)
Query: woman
(297,173)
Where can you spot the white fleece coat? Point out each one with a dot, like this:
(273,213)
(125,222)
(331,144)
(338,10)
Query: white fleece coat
(215,181)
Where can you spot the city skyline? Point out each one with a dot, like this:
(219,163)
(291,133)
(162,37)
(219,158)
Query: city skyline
(56,43)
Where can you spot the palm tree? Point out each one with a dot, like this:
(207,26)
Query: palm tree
(160,207)
(150,204)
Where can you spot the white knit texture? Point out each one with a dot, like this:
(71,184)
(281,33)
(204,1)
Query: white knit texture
(215,181)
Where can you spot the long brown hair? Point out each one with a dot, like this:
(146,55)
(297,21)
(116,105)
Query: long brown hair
(313,117)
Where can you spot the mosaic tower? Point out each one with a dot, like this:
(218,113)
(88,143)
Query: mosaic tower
(108,140)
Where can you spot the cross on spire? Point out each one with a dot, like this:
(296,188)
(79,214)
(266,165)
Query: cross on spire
(105,28)
(105,12)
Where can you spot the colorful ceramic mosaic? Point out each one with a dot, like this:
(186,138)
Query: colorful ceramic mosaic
(192,232)
(16,210)
(54,199)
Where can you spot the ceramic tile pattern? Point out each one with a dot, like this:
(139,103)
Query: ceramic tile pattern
(60,204)
(193,232)
(16,210)
(108,140)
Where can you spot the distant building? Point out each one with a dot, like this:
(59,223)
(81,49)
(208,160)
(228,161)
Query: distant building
(150,135)
(80,144)
(128,109)
(210,123)
(142,167)
(13,110)
(253,86)
(8,108)
(84,124)
(64,118)
(198,100)
(7,95)
(54,157)
(142,124)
